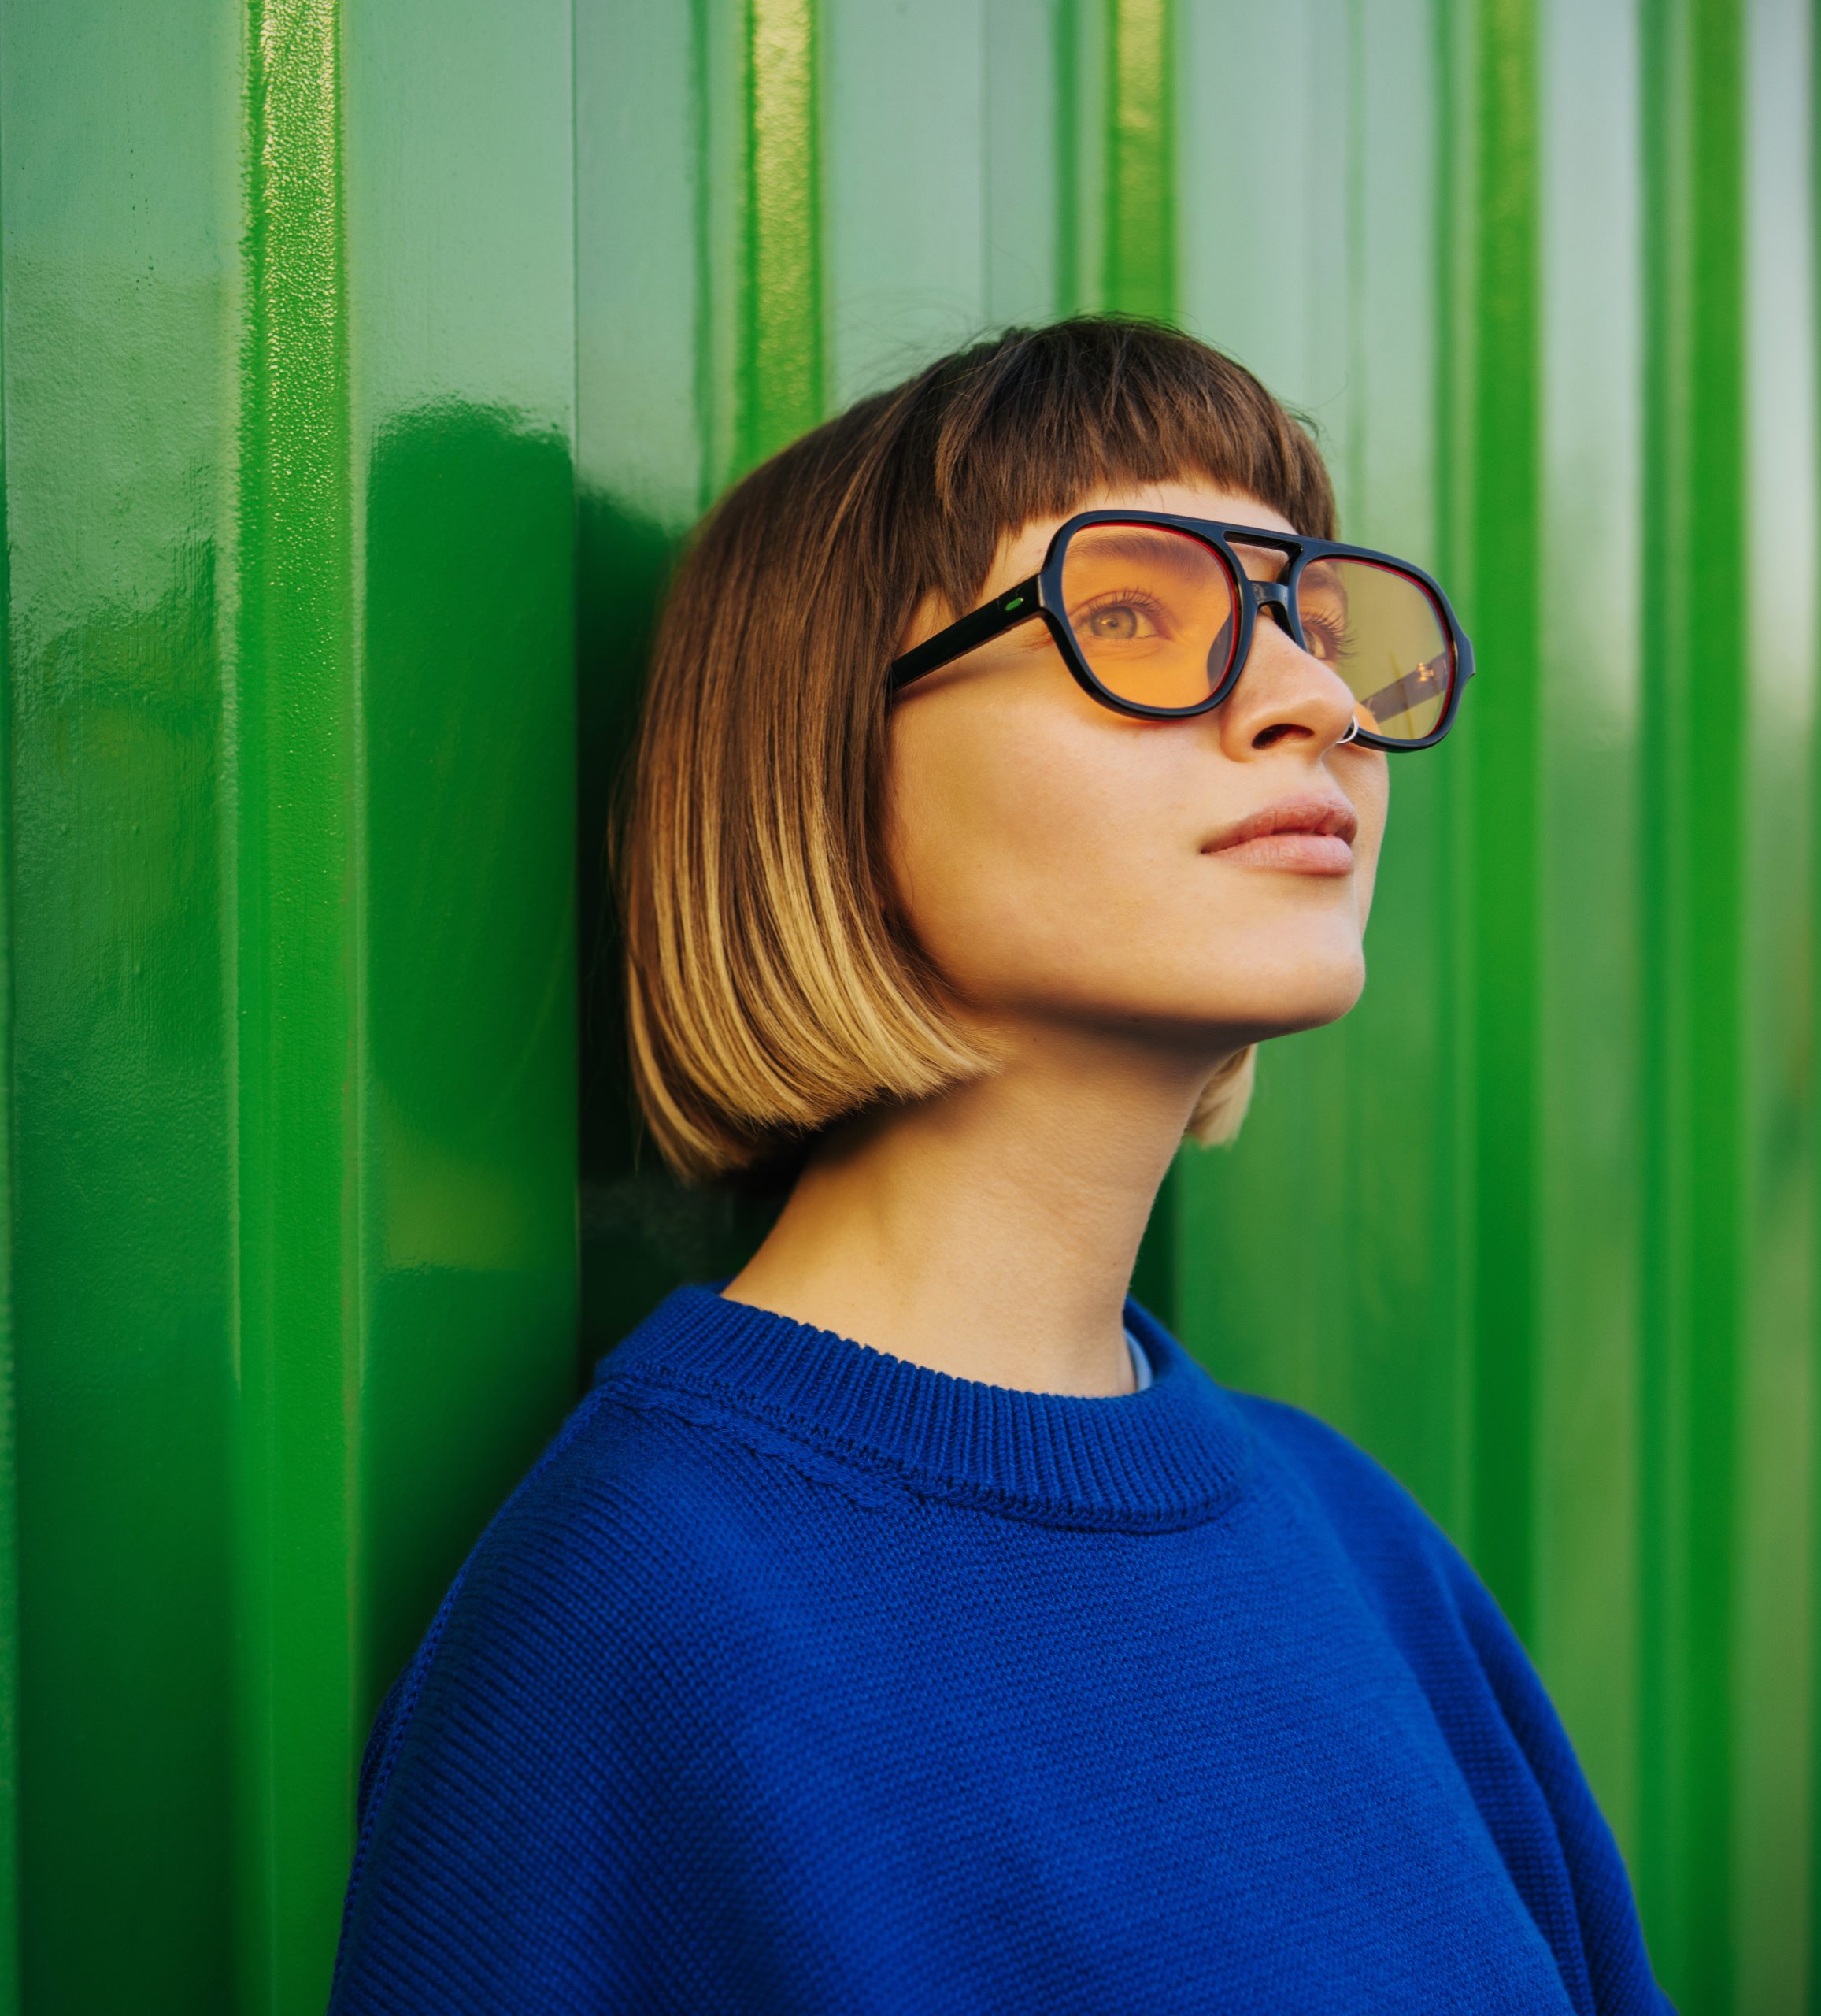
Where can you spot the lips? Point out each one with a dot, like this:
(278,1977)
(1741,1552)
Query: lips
(1294,815)
(1307,835)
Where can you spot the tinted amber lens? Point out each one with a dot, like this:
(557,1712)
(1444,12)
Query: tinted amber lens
(1381,630)
(1152,611)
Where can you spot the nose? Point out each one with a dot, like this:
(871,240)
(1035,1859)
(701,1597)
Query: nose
(1284,694)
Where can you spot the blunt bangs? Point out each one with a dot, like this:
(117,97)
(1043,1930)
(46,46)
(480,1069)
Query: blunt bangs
(1025,427)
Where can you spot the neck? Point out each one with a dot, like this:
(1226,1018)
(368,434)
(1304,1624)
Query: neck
(989,1232)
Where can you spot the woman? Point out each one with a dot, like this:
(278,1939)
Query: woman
(909,1623)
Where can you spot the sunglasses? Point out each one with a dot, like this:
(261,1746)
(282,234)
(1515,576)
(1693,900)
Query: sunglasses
(1154,615)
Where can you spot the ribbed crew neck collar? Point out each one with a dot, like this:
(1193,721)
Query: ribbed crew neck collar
(1169,1456)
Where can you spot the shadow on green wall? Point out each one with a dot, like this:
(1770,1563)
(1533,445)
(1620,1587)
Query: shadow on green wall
(122,1304)
(468,1207)
(642,1231)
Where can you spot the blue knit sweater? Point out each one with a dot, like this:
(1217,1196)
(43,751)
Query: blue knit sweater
(797,1677)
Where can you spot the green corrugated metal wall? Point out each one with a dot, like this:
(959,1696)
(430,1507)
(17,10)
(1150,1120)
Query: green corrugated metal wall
(288,404)
(333,328)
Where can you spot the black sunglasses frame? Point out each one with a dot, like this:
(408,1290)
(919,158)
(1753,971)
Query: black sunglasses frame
(1041,597)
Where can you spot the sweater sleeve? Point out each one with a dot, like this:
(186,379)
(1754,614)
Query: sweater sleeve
(516,1777)
(1595,1918)
(1493,1712)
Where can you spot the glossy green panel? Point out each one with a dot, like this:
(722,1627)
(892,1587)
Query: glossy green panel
(118,287)
(1774,1675)
(10,1913)
(365,362)
(294,984)
(461,319)
(289,381)
(1695,980)
(1495,559)
(1141,173)
(780,351)
(1591,858)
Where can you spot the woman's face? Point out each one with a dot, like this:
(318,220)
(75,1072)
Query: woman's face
(1204,880)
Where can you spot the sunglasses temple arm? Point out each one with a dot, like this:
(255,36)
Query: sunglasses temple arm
(1015,605)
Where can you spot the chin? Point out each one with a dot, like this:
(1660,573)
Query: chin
(1280,1004)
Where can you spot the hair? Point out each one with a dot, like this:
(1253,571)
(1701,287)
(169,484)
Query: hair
(772,988)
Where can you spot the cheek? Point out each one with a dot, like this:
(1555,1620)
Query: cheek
(1013,835)
(1047,856)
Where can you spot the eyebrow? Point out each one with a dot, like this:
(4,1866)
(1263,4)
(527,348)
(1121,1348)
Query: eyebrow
(1151,544)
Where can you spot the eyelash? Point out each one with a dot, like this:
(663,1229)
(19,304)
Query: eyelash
(1121,599)
(1342,636)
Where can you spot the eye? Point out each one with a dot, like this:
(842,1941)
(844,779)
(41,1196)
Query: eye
(1328,639)
(1118,619)
(1324,612)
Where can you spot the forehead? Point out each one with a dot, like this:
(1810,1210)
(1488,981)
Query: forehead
(1187,497)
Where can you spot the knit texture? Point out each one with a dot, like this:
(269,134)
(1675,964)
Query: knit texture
(796,1678)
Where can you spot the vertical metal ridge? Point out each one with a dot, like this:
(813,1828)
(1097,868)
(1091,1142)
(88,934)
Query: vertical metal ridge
(1502,510)
(1067,123)
(1692,795)
(297,1122)
(10,1926)
(1811,1999)
(701,260)
(1714,704)
(1657,1302)
(781,362)
(1351,480)
(1454,256)
(1140,238)
(1139,277)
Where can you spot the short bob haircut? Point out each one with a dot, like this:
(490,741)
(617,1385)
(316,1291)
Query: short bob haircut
(773,987)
